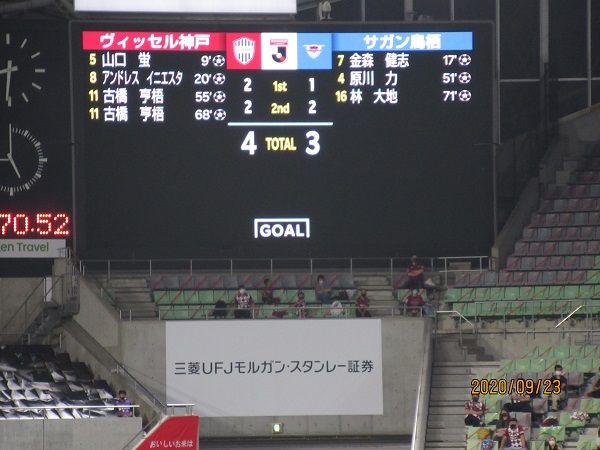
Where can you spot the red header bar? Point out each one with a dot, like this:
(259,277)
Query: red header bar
(179,41)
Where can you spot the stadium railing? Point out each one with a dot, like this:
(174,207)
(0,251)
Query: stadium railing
(392,265)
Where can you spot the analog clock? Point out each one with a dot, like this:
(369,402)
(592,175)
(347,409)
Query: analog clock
(22,69)
(22,161)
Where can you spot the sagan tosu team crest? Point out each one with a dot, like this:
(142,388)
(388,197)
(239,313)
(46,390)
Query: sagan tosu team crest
(244,50)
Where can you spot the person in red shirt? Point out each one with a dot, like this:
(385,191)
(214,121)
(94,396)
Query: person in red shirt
(474,411)
(414,303)
(266,294)
(362,304)
(300,305)
(416,274)
(514,436)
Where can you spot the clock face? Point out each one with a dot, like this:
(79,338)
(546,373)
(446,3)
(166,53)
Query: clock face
(22,161)
(22,70)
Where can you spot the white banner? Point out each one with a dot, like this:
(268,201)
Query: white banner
(190,6)
(276,367)
(32,248)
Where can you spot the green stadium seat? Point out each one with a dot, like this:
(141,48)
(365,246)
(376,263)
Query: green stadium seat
(526,292)
(569,424)
(522,365)
(511,293)
(586,292)
(570,292)
(516,308)
(481,294)
(162,297)
(558,432)
(310,296)
(540,292)
(587,443)
(537,365)
(496,293)
(206,297)
(561,352)
(593,277)
(584,365)
(452,295)
(590,405)
(178,298)
(467,294)
(555,292)
(537,445)
(493,405)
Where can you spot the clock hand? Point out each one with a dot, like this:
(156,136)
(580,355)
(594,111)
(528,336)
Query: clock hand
(8,72)
(12,162)
(9,69)
(9,140)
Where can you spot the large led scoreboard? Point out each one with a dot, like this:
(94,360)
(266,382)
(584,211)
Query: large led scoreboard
(282,139)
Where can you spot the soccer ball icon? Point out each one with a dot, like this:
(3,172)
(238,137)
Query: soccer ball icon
(219,61)
(220,114)
(219,96)
(464,96)
(464,59)
(464,78)
(219,78)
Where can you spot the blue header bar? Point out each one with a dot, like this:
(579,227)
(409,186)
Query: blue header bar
(403,42)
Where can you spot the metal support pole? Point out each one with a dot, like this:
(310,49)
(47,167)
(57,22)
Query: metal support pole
(363,10)
(452,11)
(589,51)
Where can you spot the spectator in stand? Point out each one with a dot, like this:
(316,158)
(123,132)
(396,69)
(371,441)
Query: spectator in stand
(519,403)
(266,294)
(362,304)
(551,444)
(474,411)
(122,400)
(556,400)
(277,311)
(243,304)
(220,309)
(323,292)
(502,424)
(414,303)
(594,391)
(300,305)
(514,436)
(416,274)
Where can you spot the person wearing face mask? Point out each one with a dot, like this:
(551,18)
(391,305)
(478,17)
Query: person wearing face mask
(551,444)
(474,411)
(502,423)
(243,304)
(558,379)
(514,436)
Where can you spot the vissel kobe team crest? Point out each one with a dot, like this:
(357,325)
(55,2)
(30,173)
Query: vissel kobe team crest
(244,50)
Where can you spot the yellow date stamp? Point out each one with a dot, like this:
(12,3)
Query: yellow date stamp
(518,386)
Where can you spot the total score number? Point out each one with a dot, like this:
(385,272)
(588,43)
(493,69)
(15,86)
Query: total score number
(282,143)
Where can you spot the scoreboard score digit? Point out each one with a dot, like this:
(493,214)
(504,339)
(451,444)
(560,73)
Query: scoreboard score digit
(188,134)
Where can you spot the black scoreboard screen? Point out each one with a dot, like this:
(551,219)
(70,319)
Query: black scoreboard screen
(282,139)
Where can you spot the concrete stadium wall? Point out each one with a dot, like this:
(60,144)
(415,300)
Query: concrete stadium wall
(13,292)
(99,434)
(143,352)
